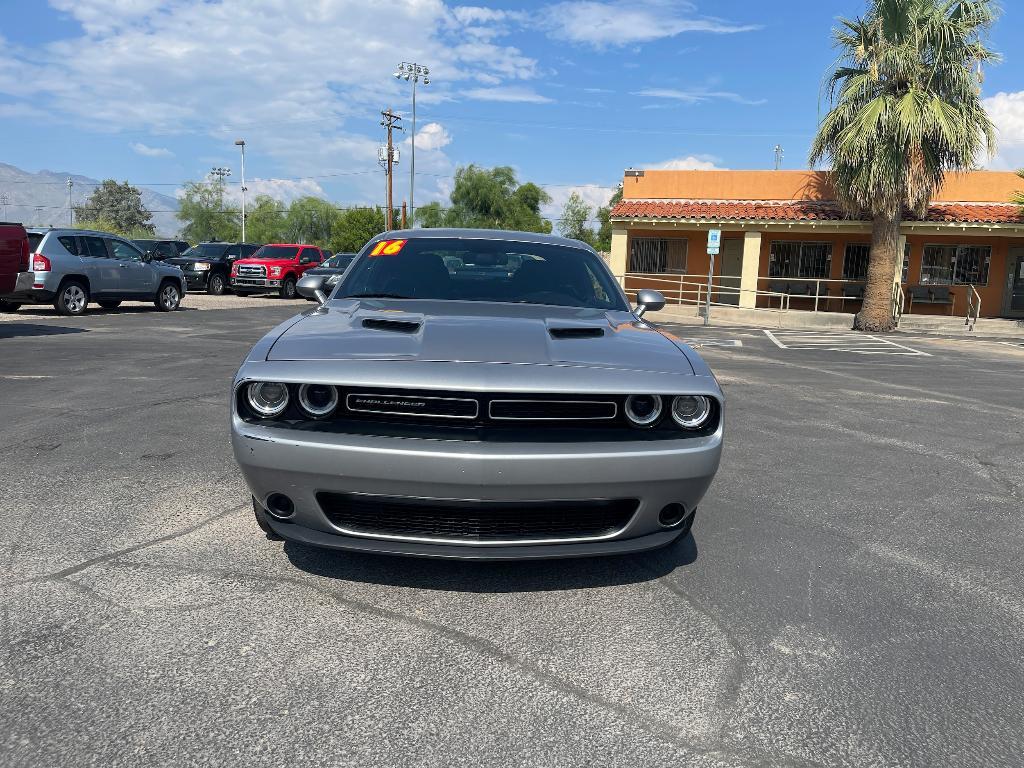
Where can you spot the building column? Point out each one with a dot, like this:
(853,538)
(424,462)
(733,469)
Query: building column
(617,257)
(751,265)
(898,277)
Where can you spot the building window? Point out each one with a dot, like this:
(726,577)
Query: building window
(956,264)
(857,257)
(855,261)
(798,259)
(657,254)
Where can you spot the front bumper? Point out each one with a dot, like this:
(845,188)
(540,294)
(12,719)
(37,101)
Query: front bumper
(254,282)
(196,280)
(301,464)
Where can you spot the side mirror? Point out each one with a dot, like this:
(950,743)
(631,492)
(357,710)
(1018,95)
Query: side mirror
(312,287)
(648,300)
(147,256)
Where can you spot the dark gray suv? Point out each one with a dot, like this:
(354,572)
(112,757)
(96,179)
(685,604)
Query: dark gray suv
(73,267)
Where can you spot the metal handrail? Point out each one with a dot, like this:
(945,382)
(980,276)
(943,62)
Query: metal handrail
(898,300)
(973,308)
(698,291)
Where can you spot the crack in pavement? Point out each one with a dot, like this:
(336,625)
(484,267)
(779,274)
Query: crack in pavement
(656,728)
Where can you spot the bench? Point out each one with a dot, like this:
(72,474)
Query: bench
(925,294)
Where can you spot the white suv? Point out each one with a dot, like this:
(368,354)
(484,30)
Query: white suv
(73,267)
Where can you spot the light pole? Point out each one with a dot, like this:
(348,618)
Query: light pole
(414,72)
(71,211)
(5,200)
(241,143)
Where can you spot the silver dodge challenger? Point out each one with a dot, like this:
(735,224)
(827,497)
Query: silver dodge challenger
(476,394)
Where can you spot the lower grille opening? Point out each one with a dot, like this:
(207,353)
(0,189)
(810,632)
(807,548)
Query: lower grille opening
(476,521)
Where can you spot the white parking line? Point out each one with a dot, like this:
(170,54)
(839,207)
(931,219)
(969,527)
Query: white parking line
(698,343)
(860,344)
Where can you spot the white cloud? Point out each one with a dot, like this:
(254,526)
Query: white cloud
(284,190)
(141,149)
(509,93)
(1007,112)
(687,163)
(696,96)
(627,22)
(431,137)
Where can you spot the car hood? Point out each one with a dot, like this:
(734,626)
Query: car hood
(326,271)
(477,332)
(183,260)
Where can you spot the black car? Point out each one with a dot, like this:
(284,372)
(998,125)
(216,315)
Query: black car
(207,265)
(161,250)
(334,268)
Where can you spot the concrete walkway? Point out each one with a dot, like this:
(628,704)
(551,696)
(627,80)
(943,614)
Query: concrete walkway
(803,320)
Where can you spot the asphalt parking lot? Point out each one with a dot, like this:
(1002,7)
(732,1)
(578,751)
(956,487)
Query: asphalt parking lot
(852,595)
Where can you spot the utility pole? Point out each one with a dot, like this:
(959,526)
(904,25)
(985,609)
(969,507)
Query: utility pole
(390,121)
(404,224)
(71,211)
(5,200)
(779,154)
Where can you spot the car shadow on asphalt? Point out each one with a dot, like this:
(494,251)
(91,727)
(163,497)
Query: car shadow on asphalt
(15,329)
(493,576)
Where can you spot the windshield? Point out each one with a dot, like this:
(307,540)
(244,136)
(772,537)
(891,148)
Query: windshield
(340,261)
(484,270)
(207,250)
(276,252)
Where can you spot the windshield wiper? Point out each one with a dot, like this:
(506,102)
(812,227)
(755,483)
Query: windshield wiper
(375,296)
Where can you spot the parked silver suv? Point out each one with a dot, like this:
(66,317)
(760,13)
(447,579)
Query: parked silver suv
(73,267)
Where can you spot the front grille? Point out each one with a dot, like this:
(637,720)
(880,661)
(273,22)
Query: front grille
(553,410)
(476,521)
(252,270)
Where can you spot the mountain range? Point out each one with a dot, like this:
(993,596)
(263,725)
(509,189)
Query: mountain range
(41,199)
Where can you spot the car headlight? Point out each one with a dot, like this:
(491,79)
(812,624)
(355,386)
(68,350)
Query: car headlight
(201,266)
(275,271)
(691,411)
(267,398)
(643,410)
(318,400)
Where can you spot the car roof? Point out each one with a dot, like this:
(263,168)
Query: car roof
(482,234)
(73,231)
(296,245)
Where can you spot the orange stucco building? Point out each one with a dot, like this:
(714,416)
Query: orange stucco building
(785,239)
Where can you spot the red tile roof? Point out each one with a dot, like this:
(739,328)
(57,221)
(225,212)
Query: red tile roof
(803,210)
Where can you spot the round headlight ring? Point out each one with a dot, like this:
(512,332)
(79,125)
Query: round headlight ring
(643,410)
(267,398)
(691,411)
(318,400)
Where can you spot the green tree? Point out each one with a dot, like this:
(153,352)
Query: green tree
(905,110)
(604,217)
(355,227)
(573,222)
(205,214)
(490,199)
(310,220)
(118,205)
(265,220)
(106,225)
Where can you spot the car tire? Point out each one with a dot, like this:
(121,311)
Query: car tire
(72,298)
(261,521)
(9,306)
(288,288)
(168,297)
(109,303)
(216,284)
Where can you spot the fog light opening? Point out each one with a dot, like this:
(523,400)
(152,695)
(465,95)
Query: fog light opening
(672,515)
(280,506)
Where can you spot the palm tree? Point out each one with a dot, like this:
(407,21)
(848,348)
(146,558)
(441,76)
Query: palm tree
(905,111)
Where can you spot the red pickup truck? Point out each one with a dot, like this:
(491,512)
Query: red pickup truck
(275,267)
(14,263)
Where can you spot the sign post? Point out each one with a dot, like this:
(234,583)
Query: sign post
(714,243)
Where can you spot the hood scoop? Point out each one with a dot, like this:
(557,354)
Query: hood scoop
(393,326)
(576,332)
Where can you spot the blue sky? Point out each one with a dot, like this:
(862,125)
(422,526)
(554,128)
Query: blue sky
(569,93)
